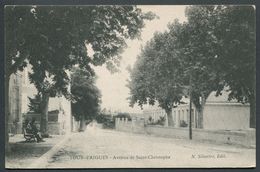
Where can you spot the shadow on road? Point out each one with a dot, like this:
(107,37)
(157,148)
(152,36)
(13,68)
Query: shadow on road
(23,153)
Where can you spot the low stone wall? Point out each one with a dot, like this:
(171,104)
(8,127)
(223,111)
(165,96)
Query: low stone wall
(54,128)
(167,131)
(243,137)
(135,126)
(239,137)
(99,126)
(15,128)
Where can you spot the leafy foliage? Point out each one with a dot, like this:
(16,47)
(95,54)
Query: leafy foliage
(157,75)
(34,103)
(213,50)
(85,95)
(160,121)
(236,53)
(107,120)
(52,39)
(123,115)
(221,48)
(57,36)
(222,44)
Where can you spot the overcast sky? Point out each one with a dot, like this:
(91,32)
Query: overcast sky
(113,86)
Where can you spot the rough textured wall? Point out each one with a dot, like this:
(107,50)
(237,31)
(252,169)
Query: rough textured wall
(229,116)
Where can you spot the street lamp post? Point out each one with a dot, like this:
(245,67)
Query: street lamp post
(189,91)
(190,110)
(190,122)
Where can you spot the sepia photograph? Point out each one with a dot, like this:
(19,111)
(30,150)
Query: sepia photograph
(130,86)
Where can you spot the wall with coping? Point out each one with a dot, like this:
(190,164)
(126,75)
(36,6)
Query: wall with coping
(243,137)
(54,128)
(237,137)
(135,126)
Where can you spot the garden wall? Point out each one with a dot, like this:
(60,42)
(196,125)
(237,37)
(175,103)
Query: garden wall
(135,126)
(238,137)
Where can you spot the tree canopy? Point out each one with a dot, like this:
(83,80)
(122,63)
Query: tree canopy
(53,39)
(34,104)
(213,50)
(157,74)
(86,97)
(222,43)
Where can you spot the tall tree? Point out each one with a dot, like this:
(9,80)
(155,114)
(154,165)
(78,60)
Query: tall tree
(157,74)
(52,39)
(14,58)
(236,63)
(86,97)
(197,45)
(213,50)
(221,48)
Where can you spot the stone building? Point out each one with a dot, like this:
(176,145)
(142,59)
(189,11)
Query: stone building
(180,114)
(218,114)
(15,103)
(60,119)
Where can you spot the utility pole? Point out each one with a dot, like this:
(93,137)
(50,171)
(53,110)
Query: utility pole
(190,122)
(190,110)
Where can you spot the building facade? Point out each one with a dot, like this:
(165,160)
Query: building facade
(218,114)
(180,115)
(19,91)
(15,103)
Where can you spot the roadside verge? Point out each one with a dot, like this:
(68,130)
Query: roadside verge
(43,160)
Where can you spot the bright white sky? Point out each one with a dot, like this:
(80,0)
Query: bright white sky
(113,86)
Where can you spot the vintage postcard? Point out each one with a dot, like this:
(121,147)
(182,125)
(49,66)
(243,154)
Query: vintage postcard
(130,86)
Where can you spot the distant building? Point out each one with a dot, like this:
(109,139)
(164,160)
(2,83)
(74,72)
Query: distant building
(218,114)
(180,115)
(153,112)
(60,119)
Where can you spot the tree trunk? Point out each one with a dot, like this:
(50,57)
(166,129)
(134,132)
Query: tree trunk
(169,117)
(200,117)
(200,112)
(252,112)
(44,113)
(82,123)
(7,113)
